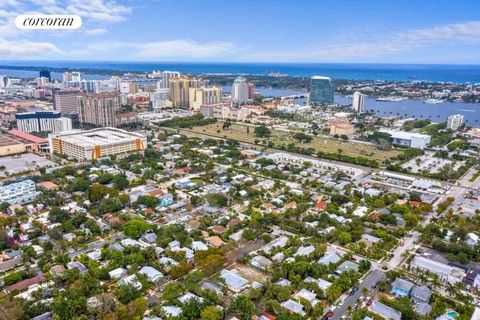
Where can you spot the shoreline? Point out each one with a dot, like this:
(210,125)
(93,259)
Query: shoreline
(117,71)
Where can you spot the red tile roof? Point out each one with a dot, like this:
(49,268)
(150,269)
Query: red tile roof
(27,136)
(24,284)
(321,205)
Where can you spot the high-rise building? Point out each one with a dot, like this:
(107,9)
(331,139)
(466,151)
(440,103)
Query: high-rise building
(72,76)
(358,102)
(166,76)
(322,90)
(455,121)
(204,96)
(251,91)
(45,73)
(180,89)
(159,98)
(99,109)
(240,91)
(65,100)
(42,81)
(48,121)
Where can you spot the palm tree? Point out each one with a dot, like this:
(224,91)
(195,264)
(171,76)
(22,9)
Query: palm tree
(451,289)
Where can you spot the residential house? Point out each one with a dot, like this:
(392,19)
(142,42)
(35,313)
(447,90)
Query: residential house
(385,311)
(118,273)
(293,307)
(131,280)
(329,258)
(446,272)
(152,274)
(421,294)
(233,281)
(347,266)
(401,287)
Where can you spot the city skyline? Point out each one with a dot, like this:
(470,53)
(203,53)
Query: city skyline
(440,32)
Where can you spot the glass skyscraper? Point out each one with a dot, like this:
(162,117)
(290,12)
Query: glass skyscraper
(322,90)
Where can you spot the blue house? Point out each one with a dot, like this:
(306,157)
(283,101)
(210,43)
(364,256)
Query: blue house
(166,200)
(401,287)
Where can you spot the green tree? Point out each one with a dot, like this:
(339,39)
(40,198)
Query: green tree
(135,227)
(344,238)
(262,131)
(149,201)
(242,307)
(211,313)
(58,215)
(249,234)
(120,181)
(69,305)
(127,293)
(97,192)
(209,261)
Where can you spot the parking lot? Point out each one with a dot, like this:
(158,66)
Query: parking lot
(24,162)
(429,163)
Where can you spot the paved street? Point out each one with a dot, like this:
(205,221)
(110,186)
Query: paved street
(369,282)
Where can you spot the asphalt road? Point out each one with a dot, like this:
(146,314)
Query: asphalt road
(369,282)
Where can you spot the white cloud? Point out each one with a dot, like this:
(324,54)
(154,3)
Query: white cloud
(183,49)
(372,46)
(178,49)
(97,16)
(99,10)
(9,3)
(25,49)
(96,31)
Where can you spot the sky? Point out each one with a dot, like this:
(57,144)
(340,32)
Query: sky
(303,31)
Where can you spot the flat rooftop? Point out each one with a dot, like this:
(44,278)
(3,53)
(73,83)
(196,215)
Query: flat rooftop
(405,134)
(100,137)
(7,140)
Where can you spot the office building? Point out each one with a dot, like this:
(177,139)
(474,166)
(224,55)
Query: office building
(18,192)
(72,76)
(240,91)
(100,109)
(340,127)
(49,121)
(455,121)
(159,98)
(225,111)
(252,93)
(45,74)
(408,139)
(180,89)
(42,81)
(97,143)
(95,86)
(204,96)
(65,100)
(358,102)
(166,76)
(322,90)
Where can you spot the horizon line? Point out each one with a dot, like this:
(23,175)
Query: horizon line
(244,62)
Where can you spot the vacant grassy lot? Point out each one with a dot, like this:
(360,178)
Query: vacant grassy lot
(245,133)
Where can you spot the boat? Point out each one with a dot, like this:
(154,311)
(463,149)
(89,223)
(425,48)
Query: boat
(433,101)
(391,99)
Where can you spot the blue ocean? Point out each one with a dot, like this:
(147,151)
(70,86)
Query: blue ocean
(354,71)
